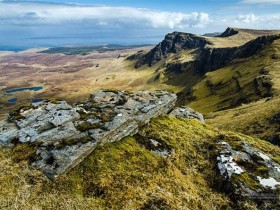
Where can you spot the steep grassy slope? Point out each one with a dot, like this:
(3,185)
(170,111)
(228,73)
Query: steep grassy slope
(242,81)
(211,74)
(125,175)
(255,119)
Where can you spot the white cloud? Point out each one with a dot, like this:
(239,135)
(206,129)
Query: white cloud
(261,1)
(19,13)
(48,24)
(270,21)
(250,18)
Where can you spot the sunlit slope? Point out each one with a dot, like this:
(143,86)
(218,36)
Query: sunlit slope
(243,81)
(234,37)
(257,119)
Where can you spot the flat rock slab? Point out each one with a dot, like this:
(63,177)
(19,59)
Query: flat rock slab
(65,135)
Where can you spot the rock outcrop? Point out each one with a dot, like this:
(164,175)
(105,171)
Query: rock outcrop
(64,135)
(248,173)
(211,59)
(156,146)
(275,118)
(228,32)
(185,112)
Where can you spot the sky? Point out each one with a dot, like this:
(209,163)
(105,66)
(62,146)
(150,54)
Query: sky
(43,23)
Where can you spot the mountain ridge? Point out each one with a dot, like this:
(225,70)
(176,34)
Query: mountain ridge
(177,41)
(214,78)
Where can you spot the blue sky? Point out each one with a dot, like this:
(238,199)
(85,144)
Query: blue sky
(42,23)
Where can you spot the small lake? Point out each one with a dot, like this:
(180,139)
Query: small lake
(37,88)
(33,100)
(36,100)
(12,100)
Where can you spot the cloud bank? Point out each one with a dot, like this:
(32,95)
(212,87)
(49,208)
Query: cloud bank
(34,24)
(17,13)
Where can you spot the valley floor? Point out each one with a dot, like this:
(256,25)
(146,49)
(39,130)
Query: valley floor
(68,77)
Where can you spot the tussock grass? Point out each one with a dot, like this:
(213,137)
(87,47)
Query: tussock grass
(125,175)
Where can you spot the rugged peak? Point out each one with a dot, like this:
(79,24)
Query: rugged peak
(172,43)
(229,32)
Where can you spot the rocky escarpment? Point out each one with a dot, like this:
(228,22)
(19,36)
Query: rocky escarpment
(210,59)
(63,135)
(214,58)
(207,58)
(248,173)
(172,43)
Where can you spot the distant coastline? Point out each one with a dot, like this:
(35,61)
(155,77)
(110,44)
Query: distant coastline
(56,42)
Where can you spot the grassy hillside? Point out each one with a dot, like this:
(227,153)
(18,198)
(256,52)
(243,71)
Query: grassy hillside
(216,73)
(125,175)
(251,119)
(239,82)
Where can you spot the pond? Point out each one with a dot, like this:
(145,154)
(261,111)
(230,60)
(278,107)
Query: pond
(36,100)
(37,88)
(12,100)
(33,100)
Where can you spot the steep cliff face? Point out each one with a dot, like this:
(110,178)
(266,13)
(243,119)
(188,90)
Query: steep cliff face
(214,58)
(172,43)
(208,58)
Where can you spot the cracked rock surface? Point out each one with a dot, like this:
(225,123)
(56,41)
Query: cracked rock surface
(64,135)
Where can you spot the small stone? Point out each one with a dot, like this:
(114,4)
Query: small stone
(185,112)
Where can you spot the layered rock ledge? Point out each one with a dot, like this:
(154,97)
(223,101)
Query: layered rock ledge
(64,135)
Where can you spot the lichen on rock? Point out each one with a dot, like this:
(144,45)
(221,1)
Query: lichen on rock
(64,135)
(247,172)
